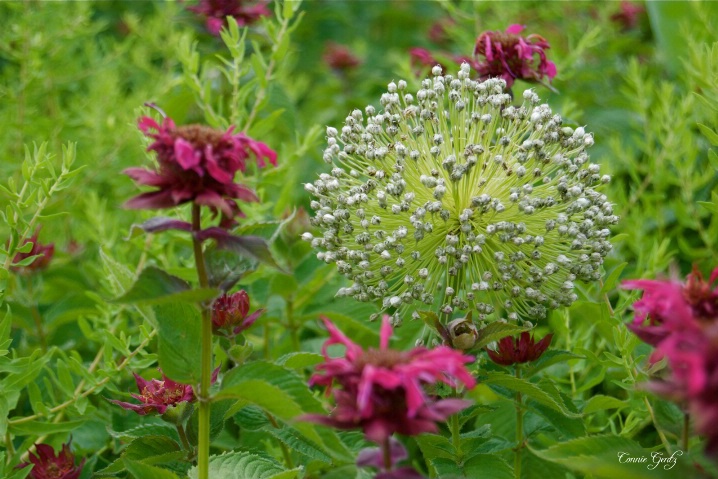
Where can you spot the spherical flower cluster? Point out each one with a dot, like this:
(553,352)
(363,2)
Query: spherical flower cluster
(197,163)
(381,391)
(456,196)
(48,466)
(245,12)
(510,56)
(43,255)
(681,322)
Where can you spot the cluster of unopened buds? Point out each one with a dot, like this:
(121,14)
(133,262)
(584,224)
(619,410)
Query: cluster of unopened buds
(454,192)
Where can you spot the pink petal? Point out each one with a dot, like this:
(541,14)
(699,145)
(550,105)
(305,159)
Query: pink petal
(515,28)
(186,155)
(385,333)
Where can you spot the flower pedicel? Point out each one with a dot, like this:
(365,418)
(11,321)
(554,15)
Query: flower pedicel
(455,196)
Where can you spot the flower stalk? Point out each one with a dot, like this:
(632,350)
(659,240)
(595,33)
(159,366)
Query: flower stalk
(206,354)
(519,427)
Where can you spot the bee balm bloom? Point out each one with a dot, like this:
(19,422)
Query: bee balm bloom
(519,350)
(157,396)
(230,313)
(381,390)
(454,195)
(245,12)
(48,466)
(197,163)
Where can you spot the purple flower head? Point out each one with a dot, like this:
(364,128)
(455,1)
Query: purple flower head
(381,391)
(339,57)
(197,163)
(48,466)
(421,58)
(245,12)
(628,15)
(231,313)
(158,395)
(519,350)
(44,253)
(512,56)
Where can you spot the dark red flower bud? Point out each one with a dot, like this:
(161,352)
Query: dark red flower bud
(519,350)
(43,252)
(231,313)
(340,57)
(245,12)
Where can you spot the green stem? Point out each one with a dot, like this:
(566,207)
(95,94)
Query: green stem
(285,451)
(292,326)
(519,428)
(9,446)
(686,430)
(456,431)
(36,316)
(183,438)
(206,359)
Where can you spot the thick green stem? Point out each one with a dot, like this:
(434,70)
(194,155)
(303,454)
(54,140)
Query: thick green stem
(183,438)
(455,429)
(519,428)
(686,430)
(206,359)
(293,328)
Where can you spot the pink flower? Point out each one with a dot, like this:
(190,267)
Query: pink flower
(48,466)
(422,58)
(339,57)
(197,163)
(231,313)
(438,31)
(157,396)
(381,391)
(628,15)
(519,350)
(511,56)
(245,12)
(44,253)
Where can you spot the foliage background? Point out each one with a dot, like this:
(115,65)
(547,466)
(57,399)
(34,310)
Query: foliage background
(74,77)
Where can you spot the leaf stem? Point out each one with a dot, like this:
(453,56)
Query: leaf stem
(386,449)
(183,437)
(36,316)
(519,427)
(206,354)
(285,451)
(686,431)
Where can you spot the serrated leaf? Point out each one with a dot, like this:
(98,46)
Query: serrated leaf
(159,429)
(265,395)
(300,360)
(601,402)
(180,341)
(529,390)
(709,133)
(145,471)
(299,442)
(245,465)
(549,358)
(485,466)
(155,286)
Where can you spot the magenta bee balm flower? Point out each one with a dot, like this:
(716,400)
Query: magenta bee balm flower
(381,391)
(157,396)
(519,350)
(245,12)
(197,163)
(48,466)
(339,57)
(510,56)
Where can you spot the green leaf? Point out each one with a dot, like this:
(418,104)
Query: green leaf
(612,278)
(709,133)
(155,286)
(159,429)
(180,341)
(601,402)
(245,465)
(529,390)
(600,457)
(38,428)
(300,360)
(549,358)
(145,471)
(299,442)
(265,395)
(712,207)
(485,466)
(495,331)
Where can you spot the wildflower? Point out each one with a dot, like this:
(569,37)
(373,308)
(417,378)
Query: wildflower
(48,466)
(462,333)
(628,15)
(421,58)
(245,12)
(682,324)
(453,192)
(438,32)
(340,57)
(519,350)
(43,255)
(157,396)
(510,56)
(197,163)
(230,313)
(381,390)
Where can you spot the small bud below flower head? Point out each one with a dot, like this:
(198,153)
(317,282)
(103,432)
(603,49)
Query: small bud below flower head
(331,132)
(436,70)
(307,236)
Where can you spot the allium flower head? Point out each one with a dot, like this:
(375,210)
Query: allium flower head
(44,253)
(453,194)
(339,57)
(381,391)
(511,56)
(48,466)
(157,395)
(245,12)
(197,163)
(519,350)
(231,312)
